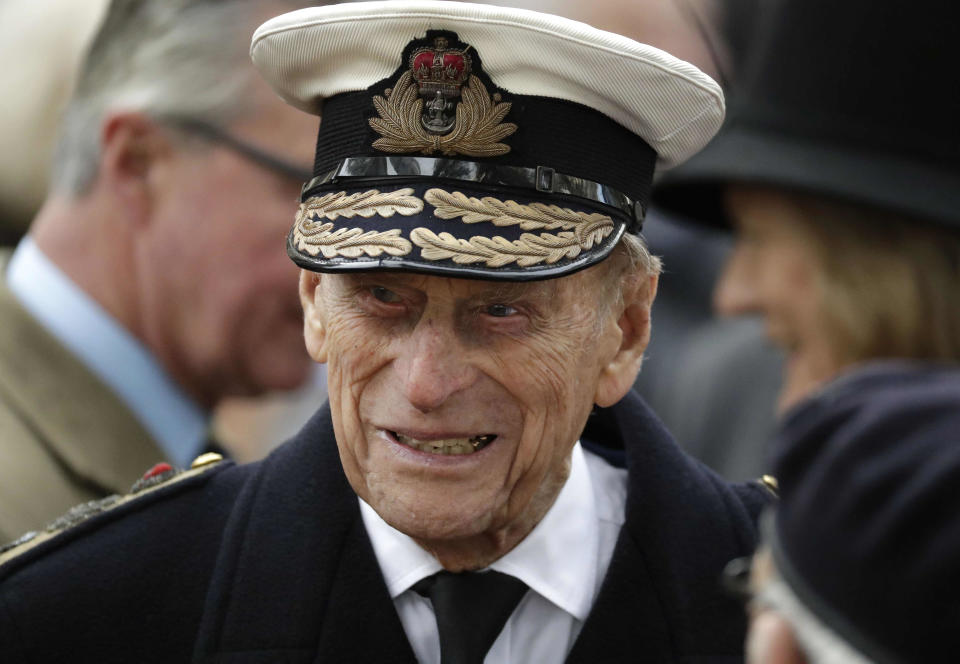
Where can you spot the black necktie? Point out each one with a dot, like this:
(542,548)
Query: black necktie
(471,609)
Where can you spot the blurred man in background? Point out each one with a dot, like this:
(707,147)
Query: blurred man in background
(152,282)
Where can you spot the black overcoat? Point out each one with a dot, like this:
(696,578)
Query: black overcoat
(270,562)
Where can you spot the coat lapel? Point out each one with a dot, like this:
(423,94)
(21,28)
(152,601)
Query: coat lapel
(626,622)
(361,623)
(288,589)
(661,600)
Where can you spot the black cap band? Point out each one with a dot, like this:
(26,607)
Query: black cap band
(403,169)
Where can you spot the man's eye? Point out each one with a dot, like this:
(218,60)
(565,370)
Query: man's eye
(500,310)
(384,294)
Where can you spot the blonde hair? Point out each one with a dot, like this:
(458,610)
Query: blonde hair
(889,282)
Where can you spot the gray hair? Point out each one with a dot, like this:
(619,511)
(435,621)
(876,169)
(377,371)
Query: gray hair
(638,256)
(168,59)
(630,259)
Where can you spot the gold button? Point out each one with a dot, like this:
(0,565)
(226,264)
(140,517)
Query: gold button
(206,459)
(771,483)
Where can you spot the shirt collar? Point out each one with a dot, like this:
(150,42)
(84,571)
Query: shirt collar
(558,559)
(110,352)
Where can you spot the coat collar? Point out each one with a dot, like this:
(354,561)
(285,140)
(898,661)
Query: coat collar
(296,574)
(661,596)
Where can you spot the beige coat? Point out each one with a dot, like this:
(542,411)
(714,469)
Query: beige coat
(65,438)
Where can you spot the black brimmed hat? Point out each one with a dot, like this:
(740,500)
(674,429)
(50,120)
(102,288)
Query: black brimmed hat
(856,100)
(477,141)
(867,531)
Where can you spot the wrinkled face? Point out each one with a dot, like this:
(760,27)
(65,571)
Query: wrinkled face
(773,271)
(219,293)
(456,402)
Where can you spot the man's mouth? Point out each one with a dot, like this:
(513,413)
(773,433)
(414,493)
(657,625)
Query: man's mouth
(447,445)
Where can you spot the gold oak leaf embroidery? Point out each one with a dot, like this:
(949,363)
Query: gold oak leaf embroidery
(580,231)
(365,204)
(477,132)
(535,216)
(497,251)
(314,236)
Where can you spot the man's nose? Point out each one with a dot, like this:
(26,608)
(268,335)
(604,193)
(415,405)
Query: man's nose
(433,366)
(736,291)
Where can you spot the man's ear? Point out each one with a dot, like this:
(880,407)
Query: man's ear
(619,374)
(314,327)
(132,147)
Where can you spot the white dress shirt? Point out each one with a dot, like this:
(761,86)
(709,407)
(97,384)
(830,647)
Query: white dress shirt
(109,351)
(563,561)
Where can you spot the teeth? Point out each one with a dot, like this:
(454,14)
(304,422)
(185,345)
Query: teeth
(479,442)
(447,445)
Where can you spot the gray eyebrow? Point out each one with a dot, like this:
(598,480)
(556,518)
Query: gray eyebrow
(511,291)
(493,290)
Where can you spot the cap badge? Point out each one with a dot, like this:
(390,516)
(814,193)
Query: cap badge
(439,105)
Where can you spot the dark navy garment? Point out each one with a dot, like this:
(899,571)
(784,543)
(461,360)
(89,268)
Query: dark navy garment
(270,562)
(866,532)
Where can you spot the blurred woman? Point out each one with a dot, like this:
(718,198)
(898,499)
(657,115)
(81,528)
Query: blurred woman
(839,169)
(839,284)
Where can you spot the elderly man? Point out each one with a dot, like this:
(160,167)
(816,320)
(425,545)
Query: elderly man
(474,280)
(150,285)
(861,559)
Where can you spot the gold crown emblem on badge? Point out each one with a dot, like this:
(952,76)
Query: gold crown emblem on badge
(438,105)
(439,72)
(440,69)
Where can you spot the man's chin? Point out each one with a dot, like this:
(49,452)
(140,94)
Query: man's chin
(447,524)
